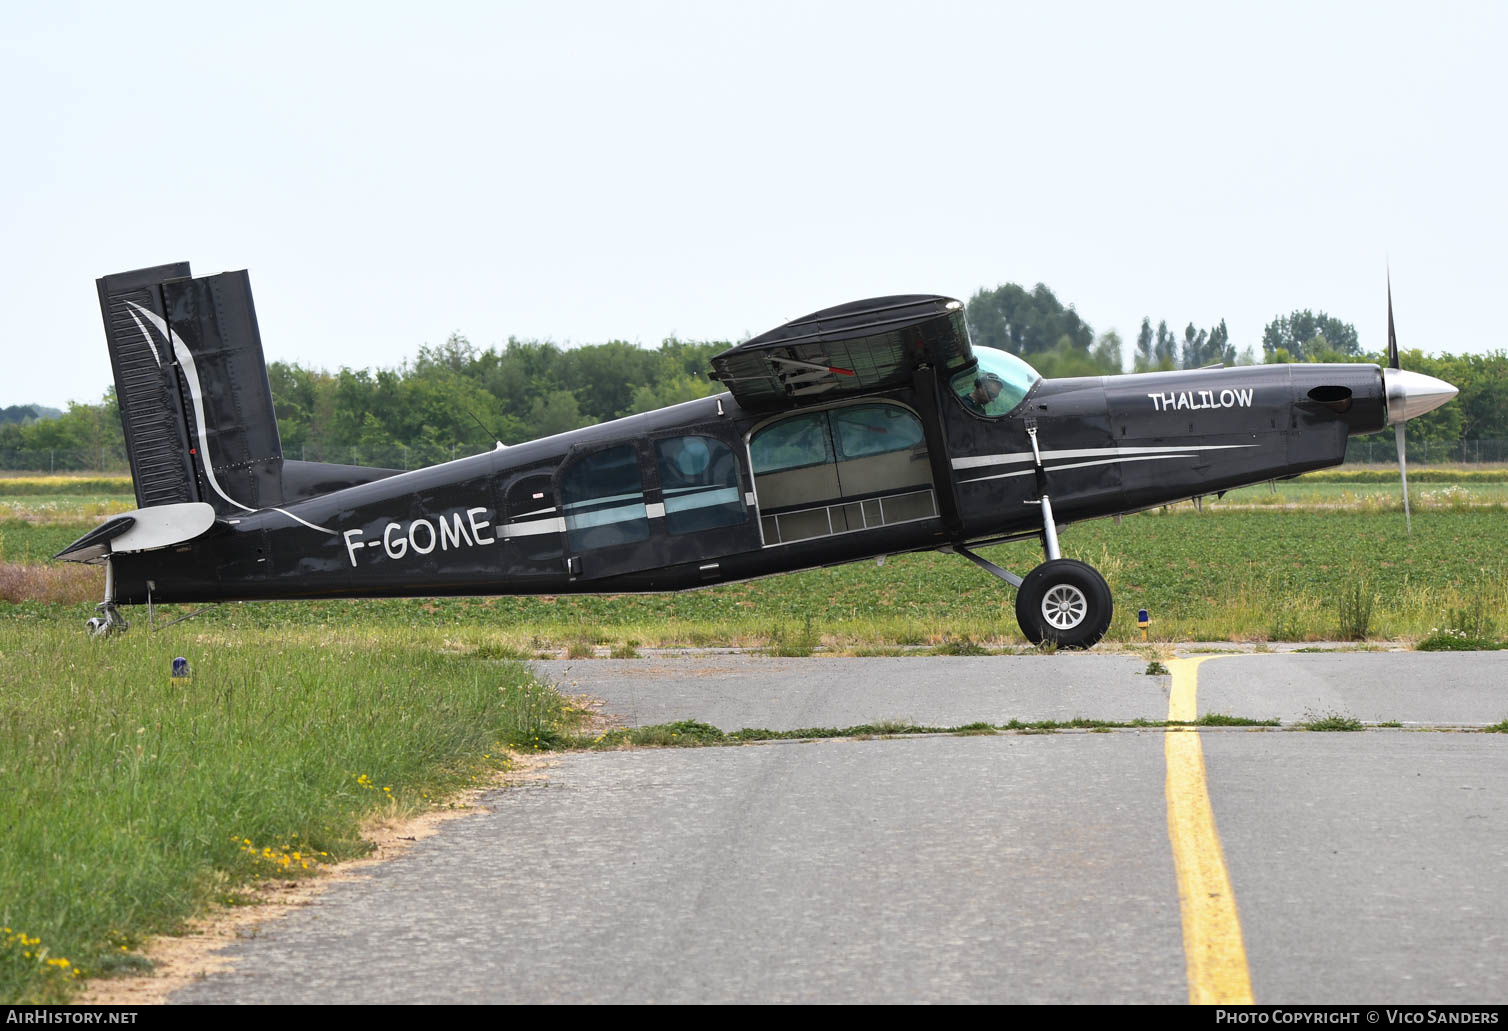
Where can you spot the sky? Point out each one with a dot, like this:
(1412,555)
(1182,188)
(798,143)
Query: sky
(581,171)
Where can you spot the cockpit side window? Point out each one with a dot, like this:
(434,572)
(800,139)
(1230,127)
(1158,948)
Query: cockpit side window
(996,385)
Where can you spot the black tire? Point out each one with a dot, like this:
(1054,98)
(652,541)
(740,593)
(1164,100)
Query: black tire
(1065,602)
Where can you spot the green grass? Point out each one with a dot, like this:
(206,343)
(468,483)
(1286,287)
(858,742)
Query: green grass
(133,802)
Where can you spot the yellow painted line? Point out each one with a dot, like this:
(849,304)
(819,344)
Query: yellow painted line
(1213,949)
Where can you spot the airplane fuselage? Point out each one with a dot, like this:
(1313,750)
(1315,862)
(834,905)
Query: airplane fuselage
(709,491)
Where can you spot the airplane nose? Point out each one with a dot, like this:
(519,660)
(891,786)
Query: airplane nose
(1413,393)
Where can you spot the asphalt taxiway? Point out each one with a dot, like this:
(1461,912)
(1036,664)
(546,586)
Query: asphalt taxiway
(1367,866)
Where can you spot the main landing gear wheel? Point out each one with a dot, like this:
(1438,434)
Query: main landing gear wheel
(1066,602)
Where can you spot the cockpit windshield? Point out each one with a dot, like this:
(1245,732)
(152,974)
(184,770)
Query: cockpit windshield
(996,385)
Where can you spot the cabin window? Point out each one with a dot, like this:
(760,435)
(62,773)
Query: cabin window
(603,497)
(793,443)
(700,483)
(875,430)
(996,385)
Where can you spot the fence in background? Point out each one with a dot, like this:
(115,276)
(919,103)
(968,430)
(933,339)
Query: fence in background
(1382,449)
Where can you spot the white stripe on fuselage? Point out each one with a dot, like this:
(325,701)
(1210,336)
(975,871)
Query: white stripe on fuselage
(1076,465)
(530,528)
(976,461)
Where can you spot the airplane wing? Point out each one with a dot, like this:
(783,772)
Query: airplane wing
(854,348)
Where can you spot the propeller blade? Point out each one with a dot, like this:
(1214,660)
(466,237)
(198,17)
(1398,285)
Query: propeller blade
(1403,474)
(1392,336)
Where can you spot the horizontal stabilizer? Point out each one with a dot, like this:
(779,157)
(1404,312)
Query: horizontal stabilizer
(96,543)
(160,526)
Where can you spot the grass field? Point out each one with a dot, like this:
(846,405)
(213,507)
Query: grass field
(133,802)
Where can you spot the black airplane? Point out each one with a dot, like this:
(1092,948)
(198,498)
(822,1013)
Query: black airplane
(864,430)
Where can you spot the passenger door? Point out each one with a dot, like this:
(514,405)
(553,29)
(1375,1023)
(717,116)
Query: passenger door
(532,529)
(606,512)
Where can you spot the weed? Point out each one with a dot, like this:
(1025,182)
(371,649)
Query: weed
(628,650)
(960,646)
(1220,719)
(785,643)
(1331,721)
(1497,728)
(1454,641)
(754,734)
(682,734)
(499,652)
(1355,602)
(1156,669)
(894,727)
(1468,628)
(1391,724)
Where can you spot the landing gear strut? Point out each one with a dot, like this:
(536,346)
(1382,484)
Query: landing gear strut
(1062,601)
(109,621)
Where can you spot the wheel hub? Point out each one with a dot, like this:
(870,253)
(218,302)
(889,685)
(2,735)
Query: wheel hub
(1064,606)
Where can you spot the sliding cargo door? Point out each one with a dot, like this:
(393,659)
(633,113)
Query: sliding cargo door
(840,470)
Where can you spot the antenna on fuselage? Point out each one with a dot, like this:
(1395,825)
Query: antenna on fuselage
(496,439)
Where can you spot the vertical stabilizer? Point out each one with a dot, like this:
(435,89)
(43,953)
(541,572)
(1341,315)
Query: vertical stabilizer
(192,383)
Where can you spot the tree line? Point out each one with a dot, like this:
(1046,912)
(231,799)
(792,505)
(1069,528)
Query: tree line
(457,396)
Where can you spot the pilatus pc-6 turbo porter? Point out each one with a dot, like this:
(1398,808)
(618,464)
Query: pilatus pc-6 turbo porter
(860,431)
